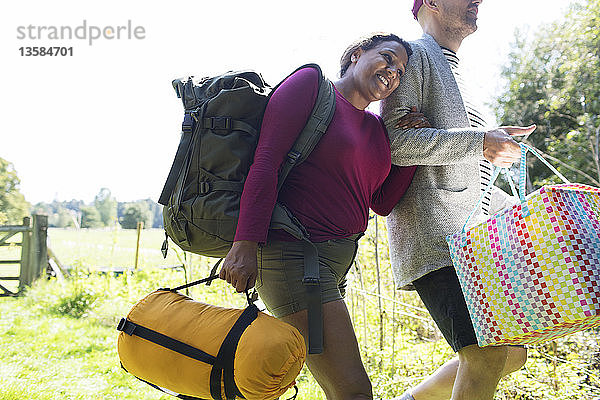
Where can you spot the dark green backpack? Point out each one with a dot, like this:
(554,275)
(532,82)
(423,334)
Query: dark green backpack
(219,136)
(220,130)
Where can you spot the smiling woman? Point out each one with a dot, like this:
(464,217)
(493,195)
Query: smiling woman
(371,68)
(329,194)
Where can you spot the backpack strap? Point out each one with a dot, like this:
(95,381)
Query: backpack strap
(187,129)
(282,218)
(315,127)
(312,284)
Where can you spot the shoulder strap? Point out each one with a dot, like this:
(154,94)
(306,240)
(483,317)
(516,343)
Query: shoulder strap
(315,127)
(282,218)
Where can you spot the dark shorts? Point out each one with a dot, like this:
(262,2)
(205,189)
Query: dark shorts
(442,295)
(281,269)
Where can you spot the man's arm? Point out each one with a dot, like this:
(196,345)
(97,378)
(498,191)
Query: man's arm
(425,146)
(432,146)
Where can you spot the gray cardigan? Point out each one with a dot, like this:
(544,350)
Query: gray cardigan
(446,185)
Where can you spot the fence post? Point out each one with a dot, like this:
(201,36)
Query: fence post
(140,226)
(25,259)
(39,247)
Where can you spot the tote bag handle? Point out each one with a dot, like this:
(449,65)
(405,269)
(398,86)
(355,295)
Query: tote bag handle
(521,193)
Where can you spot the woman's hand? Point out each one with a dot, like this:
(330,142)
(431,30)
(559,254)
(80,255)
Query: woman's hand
(413,119)
(239,267)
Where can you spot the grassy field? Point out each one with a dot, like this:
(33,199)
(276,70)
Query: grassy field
(93,249)
(58,340)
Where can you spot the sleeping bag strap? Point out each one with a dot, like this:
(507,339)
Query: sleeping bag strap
(295,394)
(223,366)
(158,338)
(178,395)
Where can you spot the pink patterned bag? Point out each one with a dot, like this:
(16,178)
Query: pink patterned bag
(531,273)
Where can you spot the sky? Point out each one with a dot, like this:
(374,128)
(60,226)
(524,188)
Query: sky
(107,115)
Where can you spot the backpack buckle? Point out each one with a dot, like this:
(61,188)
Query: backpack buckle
(188,123)
(310,281)
(219,123)
(203,187)
(294,156)
(126,326)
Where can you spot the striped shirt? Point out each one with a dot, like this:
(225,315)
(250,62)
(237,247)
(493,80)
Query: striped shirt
(476,120)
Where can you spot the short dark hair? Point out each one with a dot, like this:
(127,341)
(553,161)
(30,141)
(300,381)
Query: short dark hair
(367,43)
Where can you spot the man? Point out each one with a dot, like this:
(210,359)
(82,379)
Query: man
(447,184)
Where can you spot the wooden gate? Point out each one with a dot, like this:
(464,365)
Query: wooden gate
(34,252)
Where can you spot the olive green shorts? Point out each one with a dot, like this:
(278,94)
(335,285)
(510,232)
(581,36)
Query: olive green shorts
(281,269)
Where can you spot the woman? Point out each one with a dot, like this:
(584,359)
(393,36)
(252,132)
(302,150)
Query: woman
(330,194)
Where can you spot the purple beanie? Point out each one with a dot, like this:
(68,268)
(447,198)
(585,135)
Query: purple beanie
(416,7)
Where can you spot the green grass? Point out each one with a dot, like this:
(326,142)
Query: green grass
(47,356)
(93,248)
(58,340)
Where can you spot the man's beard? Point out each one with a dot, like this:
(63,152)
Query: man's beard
(464,28)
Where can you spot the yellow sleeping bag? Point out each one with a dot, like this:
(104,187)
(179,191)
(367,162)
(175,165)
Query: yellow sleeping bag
(197,350)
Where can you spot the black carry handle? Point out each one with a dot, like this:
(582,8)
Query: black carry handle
(208,280)
(251,296)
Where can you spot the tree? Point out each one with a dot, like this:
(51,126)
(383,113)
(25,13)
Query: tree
(58,216)
(13,206)
(90,217)
(61,214)
(65,218)
(106,206)
(134,213)
(156,210)
(553,82)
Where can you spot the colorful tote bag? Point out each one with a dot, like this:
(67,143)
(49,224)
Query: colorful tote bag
(531,272)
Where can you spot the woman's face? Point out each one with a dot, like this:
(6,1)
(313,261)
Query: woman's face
(378,70)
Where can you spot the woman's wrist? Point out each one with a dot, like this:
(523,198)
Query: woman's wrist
(246,244)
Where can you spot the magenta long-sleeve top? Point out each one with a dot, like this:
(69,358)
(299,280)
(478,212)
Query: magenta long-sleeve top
(331,192)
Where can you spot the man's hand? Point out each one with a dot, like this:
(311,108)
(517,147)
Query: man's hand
(499,147)
(413,119)
(239,267)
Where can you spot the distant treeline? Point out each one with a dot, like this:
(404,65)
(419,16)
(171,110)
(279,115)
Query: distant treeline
(104,211)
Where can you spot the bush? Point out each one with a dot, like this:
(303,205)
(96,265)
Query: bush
(74,297)
(75,304)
